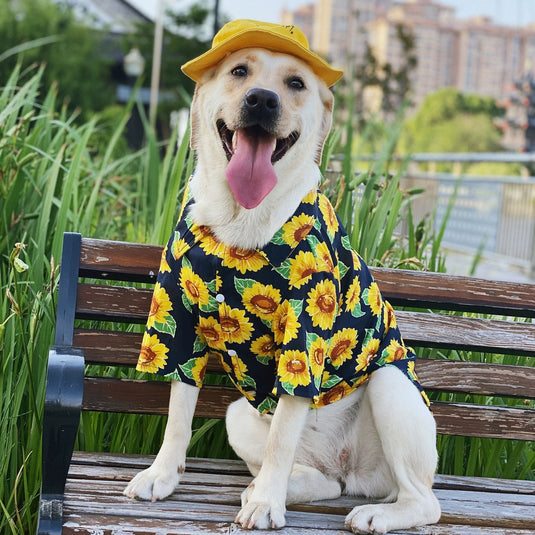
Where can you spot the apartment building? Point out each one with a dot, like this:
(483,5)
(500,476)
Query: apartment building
(474,55)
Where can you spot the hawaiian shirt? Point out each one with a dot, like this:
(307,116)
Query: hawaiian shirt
(302,316)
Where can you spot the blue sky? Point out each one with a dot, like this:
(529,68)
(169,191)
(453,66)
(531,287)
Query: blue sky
(509,12)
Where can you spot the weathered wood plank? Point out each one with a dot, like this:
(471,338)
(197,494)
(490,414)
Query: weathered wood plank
(89,463)
(109,259)
(123,395)
(423,289)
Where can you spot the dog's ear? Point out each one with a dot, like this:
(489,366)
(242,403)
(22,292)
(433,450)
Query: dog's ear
(327,99)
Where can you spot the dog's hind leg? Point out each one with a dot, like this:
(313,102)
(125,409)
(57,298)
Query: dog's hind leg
(407,433)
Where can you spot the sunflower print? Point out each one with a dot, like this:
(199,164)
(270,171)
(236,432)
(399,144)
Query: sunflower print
(342,344)
(352,298)
(394,351)
(297,229)
(153,354)
(262,300)
(293,368)
(285,325)
(235,325)
(329,215)
(194,287)
(160,307)
(369,352)
(198,371)
(264,347)
(301,316)
(210,332)
(317,354)
(322,304)
(324,259)
(302,267)
(372,297)
(243,260)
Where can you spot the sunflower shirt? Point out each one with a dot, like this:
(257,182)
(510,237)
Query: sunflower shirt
(302,316)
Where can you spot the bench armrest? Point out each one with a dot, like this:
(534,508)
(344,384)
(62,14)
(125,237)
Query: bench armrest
(61,418)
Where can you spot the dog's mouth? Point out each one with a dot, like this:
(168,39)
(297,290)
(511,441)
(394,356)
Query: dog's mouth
(251,153)
(228,139)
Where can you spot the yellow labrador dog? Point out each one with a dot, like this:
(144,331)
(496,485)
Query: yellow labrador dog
(260,115)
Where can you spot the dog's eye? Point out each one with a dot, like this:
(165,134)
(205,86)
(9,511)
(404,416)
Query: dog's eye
(296,83)
(239,71)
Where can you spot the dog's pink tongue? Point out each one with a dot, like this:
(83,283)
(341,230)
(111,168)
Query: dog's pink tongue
(250,173)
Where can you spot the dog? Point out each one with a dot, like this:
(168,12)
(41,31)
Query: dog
(260,115)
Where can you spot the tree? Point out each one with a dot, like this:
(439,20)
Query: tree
(450,121)
(187,35)
(75,54)
(394,84)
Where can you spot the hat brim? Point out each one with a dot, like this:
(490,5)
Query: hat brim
(259,38)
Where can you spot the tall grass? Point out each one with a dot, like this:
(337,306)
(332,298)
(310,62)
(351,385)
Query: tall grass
(54,179)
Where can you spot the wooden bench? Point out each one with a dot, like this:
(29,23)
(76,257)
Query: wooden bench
(83,494)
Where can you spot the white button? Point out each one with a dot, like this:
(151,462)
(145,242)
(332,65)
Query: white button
(231,353)
(220,298)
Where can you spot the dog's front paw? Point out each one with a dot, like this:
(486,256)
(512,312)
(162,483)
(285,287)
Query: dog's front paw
(153,484)
(366,519)
(261,515)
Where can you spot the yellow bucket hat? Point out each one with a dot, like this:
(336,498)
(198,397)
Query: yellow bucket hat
(244,33)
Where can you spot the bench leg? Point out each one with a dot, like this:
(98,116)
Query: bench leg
(63,401)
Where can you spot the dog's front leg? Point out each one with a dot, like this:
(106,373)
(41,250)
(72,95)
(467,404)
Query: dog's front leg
(162,477)
(264,502)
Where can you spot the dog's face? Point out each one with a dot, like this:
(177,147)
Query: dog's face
(258,114)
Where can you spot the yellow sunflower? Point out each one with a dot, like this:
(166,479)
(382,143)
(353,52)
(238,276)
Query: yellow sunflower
(198,371)
(194,287)
(293,368)
(164,265)
(374,299)
(328,214)
(211,246)
(342,344)
(356,261)
(322,304)
(209,331)
(297,229)
(239,367)
(160,306)
(369,352)
(302,267)
(285,325)
(235,325)
(264,346)
(395,351)
(153,354)
(243,259)
(178,248)
(324,258)
(262,300)
(389,317)
(353,295)
(310,198)
(336,393)
(317,353)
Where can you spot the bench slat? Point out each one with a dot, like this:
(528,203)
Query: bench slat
(137,262)
(122,395)
(449,292)
(122,349)
(117,303)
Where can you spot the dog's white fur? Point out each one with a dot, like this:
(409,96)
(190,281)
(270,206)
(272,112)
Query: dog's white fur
(380,440)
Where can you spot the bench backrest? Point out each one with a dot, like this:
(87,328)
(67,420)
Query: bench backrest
(441,318)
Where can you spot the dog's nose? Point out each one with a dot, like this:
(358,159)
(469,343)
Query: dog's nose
(262,100)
